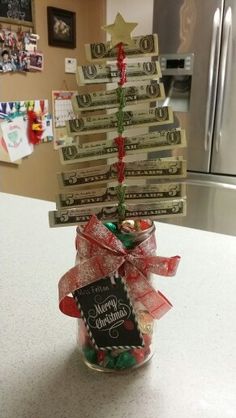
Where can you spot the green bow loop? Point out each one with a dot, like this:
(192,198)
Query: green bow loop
(120,121)
(121,193)
(121,211)
(121,97)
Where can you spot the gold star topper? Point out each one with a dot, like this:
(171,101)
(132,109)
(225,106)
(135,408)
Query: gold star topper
(120,31)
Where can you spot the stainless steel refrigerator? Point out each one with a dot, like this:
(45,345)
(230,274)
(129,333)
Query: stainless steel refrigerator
(197,42)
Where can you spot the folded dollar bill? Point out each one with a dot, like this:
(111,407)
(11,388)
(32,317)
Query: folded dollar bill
(104,73)
(154,169)
(155,141)
(105,123)
(110,195)
(141,46)
(146,92)
(155,211)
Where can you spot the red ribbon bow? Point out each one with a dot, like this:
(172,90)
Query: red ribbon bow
(103,254)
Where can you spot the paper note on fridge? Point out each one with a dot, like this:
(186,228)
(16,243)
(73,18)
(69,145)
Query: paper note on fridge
(16,139)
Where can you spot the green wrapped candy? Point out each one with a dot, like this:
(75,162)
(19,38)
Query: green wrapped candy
(90,354)
(111,226)
(125,360)
(126,239)
(110,362)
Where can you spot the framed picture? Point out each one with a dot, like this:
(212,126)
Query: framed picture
(35,61)
(61,28)
(18,12)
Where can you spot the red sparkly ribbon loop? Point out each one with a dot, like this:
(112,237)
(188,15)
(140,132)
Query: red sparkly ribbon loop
(120,142)
(101,254)
(121,65)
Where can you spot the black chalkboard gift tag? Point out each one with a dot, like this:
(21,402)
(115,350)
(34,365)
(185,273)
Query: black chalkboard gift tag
(108,314)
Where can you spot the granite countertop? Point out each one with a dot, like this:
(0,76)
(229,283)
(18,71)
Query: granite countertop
(193,373)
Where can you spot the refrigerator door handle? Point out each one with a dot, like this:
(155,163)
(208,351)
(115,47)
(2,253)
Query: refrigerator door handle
(211,94)
(227,30)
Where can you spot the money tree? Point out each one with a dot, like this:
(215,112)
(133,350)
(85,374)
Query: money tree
(137,83)
(115,241)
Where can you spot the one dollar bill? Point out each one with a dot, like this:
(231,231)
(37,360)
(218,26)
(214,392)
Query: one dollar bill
(155,141)
(141,46)
(155,211)
(107,99)
(110,195)
(105,123)
(102,73)
(152,169)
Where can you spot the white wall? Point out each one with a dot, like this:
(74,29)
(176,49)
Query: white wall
(139,11)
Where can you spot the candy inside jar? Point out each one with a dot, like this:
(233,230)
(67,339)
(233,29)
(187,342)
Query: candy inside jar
(130,233)
(118,359)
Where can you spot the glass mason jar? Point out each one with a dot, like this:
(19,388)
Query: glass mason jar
(120,360)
